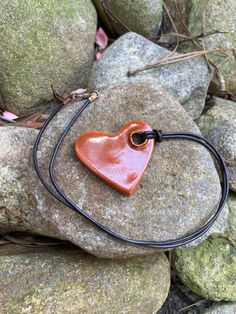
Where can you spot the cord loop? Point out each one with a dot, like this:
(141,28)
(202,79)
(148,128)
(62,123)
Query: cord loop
(154,134)
(158,135)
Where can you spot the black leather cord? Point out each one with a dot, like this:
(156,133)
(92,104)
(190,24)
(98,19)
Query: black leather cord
(58,193)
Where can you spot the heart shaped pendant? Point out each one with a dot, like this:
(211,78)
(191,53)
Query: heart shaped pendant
(116,158)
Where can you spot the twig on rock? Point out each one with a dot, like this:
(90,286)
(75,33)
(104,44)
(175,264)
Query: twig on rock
(173,59)
(76,94)
(192,305)
(27,240)
(114,17)
(176,31)
(188,38)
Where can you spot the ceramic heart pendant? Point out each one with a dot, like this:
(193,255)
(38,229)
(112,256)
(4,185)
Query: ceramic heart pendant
(116,158)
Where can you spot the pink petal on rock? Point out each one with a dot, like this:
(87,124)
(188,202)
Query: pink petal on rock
(101,39)
(9,115)
(98,55)
(78,91)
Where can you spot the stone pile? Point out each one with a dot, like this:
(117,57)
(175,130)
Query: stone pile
(47,43)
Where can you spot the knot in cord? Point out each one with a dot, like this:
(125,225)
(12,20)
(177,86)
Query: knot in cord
(157,135)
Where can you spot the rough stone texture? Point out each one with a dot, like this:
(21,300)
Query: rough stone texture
(17,210)
(218,227)
(222,308)
(140,16)
(178,15)
(187,81)
(210,268)
(218,125)
(44,43)
(66,280)
(207,16)
(231,230)
(178,193)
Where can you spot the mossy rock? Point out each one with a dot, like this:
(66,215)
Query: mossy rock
(221,308)
(210,268)
(179,12)
(218,125)
(140,16)
(216,16)
(44,43)
(67,280)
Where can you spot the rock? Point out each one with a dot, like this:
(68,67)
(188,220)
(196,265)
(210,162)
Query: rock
(218,125)
(42,44)
(17,210)
(141,16)
(207,16)
(179,12)
(210,268)
(231,230)
(66,280)
(222,308)
(177,194)
(218,227)
(187,80)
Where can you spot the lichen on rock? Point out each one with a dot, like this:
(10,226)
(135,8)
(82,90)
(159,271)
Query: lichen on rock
(66,280)
(218,125)
(210,268)
(44,43)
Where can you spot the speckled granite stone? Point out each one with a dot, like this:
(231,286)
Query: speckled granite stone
(68,281)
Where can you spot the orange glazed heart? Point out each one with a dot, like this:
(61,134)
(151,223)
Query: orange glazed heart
(116,158)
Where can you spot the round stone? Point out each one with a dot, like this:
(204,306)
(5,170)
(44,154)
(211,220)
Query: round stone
(178,193)
(209,269)
(187,81)
(218,125)
(140,16)
(44,43)
(66,280)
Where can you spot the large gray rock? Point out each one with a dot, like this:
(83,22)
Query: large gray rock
(17,207)
(221,308)
(140,16)
(210,268)
(179,11)
(44,43)
(187,80)
(218,227)
(231,230)
(178,193)
(15,202)
(218,125)
(207,16)
(65,280)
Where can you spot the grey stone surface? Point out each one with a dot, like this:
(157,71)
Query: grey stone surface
(44,43)
(210,268)
(221,308)
(65,280)
(179,11)
(17,208)
(218,125)
(231,230)
(207,16)
(187,80)
(178,193)
(219,226)
(140,16)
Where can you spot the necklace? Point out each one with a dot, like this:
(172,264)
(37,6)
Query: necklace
(140,139)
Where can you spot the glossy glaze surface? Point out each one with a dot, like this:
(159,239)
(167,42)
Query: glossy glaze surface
(114,158)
